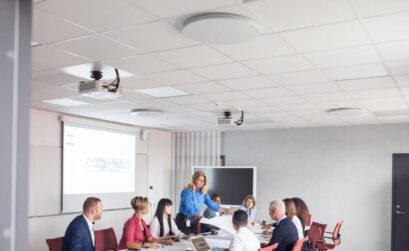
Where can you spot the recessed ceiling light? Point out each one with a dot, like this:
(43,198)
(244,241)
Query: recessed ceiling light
(146,112)
(346,111)
(65,102)
(163,92)
(84,71)
(220,28)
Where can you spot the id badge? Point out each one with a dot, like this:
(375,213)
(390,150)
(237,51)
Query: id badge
(188,222)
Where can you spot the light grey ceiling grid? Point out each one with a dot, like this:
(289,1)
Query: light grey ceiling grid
(312,56)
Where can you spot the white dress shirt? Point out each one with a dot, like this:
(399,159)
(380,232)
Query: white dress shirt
(91,229)
(298,225)
(244,240)
(155,228)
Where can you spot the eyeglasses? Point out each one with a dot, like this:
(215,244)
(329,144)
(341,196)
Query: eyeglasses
(201,180)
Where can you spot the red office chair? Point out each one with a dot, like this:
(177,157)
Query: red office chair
(298,244)
(269,248)
(335,237)
(105,239)
(316,235)
(55,244)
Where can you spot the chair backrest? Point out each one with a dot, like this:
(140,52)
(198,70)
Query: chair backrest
(55,244)
(298,244)
(269,248)
(105,239)
(316,234)
(336,236)
(307,220)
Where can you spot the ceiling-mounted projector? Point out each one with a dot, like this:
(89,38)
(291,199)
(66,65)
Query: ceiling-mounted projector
(228,120)
(100,89)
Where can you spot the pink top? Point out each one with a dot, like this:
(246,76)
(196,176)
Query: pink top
(132,232)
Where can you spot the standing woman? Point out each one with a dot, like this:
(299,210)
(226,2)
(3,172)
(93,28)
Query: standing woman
(136,234)
(192,198)
(249,205)
(162,225)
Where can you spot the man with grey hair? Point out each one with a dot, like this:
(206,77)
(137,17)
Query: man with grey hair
(285,233)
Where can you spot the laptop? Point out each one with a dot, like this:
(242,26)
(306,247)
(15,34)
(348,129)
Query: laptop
(200,244)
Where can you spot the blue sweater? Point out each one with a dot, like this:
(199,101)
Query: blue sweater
(191,202)
(285,234)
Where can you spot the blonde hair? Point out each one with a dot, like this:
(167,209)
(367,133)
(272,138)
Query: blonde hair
(139,203)
(195,176)
(252,198)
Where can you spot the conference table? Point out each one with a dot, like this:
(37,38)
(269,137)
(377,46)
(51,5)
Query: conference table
(215,242)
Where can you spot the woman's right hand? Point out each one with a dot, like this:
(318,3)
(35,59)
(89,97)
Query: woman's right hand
(197,216)
(151,245)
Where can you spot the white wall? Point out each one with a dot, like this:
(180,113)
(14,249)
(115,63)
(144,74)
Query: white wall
(341,172)
(153,167)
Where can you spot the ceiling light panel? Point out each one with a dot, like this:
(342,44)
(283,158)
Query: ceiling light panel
(163,92)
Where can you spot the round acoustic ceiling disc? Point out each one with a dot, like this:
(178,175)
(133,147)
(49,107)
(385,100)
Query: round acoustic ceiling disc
(220,28)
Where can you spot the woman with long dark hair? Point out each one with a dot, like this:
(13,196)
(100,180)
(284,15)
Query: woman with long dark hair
(302,210)
(162,225)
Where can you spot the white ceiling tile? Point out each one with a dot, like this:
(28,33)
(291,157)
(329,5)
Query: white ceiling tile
(366,8)
(394,119)
(210,106)
(139,82)
(314,88)
(327,105)
(398,67)
(292,14)
(327,97)
(194,56)
(224,71)
(48,28)
(402,80)
(171,8)
(150,37)
(248,83)
(262,110)
(53,78)
(394,50)
(202,88)
(53,93)
(375,93)
(381,101)
(287,100)
(141,64)
(176,77)
(186,100)
(388,28)
(327,37)
(260,47)
(368,83)
(404,90)
(98,15)
(268,92)
(357,71)
(46,57)
(298,78)
(343,57)
(387,107)
(279,64)
(96,48)
(295,107)
(226,96)
(243,104)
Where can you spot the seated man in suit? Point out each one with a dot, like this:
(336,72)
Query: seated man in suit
(244,240)
(285,233)
(79,235)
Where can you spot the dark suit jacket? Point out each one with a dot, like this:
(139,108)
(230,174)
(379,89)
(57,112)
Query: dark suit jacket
(285,234)
(77,236)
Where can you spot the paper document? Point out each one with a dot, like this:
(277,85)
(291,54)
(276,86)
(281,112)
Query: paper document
(223,222)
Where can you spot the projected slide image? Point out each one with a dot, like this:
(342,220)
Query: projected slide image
(98,161)
(108,165)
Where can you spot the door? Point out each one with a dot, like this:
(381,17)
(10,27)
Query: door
(400,202)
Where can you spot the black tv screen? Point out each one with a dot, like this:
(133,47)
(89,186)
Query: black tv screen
(232,184)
